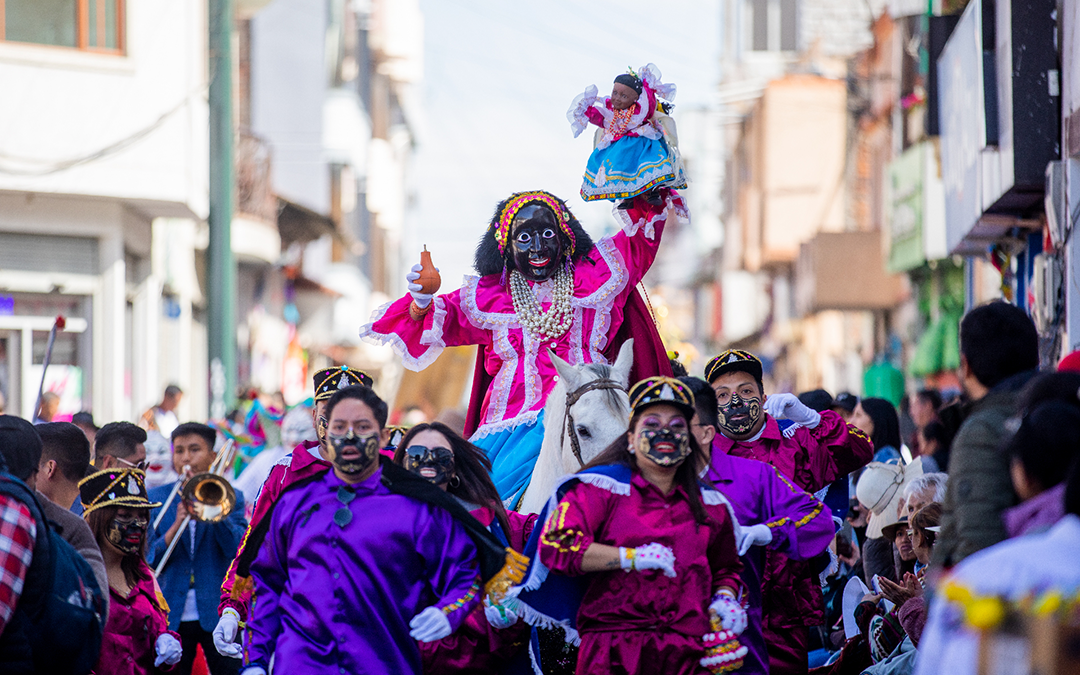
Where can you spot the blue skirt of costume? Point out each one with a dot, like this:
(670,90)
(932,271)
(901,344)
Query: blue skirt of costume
(630,166)
(513,454)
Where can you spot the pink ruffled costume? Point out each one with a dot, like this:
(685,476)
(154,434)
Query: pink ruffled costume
(482,313)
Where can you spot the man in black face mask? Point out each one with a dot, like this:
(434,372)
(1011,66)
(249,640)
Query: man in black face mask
(808,448)
(347,556)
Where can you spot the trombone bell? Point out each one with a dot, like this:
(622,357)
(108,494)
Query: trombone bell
(210,496)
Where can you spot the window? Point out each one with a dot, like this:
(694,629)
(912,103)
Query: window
(772,25)
(92,25)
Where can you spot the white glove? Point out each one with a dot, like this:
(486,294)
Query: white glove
(730,612)
(253,670)
(225,634)
(168,650)
(788,406)
(753,535)
(430,625)
(651,557)
(502,615)
(422,300)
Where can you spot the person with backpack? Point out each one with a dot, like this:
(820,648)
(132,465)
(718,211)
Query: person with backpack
(51,607)
(137,638)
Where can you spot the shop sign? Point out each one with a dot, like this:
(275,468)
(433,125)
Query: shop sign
(963,123)
(906,249)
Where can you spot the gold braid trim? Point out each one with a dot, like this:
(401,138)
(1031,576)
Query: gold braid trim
(512,573)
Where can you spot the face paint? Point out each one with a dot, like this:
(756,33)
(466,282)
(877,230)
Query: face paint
(128,535)
(536,246)
(739,415)
(435,465)
(368,447)
(666,447)
(321,423)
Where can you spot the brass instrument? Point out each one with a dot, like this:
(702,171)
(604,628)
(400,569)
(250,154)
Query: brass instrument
(209,494)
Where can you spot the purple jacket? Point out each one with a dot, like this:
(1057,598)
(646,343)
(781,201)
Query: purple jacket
(801,526)
(1036,514)
(333,598)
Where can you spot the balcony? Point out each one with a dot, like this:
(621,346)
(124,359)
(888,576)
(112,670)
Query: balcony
(844,271)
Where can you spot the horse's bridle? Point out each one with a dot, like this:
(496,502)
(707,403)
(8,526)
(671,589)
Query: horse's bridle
(572,398)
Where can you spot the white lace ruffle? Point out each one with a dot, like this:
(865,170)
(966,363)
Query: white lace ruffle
(675,204)
(650,75)
(502,425)
(414,363)
(576,113)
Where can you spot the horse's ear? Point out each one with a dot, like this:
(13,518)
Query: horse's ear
(620,372)
(565,370)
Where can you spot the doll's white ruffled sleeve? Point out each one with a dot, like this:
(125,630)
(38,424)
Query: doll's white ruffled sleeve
(650,75)
(576,113)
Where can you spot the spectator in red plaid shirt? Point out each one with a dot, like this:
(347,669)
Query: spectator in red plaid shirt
(20,452)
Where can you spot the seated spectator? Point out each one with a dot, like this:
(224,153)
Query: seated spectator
(908,596)
(929,487)
(1041,452)
(877,418)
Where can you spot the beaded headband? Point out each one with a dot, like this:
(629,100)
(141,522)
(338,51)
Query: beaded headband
(733,359)
(661,389)
(519,201)
(114,487)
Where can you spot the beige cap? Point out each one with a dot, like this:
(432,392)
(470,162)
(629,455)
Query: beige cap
(880,489)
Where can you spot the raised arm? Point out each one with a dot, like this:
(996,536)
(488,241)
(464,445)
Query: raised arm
(643,224)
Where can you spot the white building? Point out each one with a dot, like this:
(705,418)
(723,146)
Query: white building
(105,132)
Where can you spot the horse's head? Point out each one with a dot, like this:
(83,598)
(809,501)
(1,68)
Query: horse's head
(599,406)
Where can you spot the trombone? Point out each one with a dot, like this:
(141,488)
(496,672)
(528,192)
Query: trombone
(210,495)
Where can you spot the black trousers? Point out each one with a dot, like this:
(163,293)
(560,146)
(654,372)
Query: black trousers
(191,634)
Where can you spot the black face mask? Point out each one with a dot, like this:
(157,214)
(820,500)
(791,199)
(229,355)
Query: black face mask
(746,411)
(320,426)
(367,445)
(666,447)
(128,535)
(536,246)
(435,465)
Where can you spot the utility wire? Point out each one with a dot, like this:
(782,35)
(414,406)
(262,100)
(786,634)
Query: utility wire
(111,149)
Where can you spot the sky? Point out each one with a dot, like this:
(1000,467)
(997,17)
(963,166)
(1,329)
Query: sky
(498,79)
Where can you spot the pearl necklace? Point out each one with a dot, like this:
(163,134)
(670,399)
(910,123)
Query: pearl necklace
(543,325)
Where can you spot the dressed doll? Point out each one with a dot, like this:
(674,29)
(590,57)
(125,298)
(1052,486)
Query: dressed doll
(636,149)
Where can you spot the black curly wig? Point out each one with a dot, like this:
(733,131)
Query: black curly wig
(488,260)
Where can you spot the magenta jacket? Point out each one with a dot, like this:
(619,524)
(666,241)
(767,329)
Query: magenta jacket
(811,459)
(135,622)
(643,620)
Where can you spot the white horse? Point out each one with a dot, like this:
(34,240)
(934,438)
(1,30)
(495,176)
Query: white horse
(599,413)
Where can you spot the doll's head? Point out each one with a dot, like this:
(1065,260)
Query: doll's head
(533,232)
(626,90)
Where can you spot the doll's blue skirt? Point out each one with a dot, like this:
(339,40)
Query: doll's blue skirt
(629,167)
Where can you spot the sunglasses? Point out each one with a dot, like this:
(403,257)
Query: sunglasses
(141,466)
(419,452)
